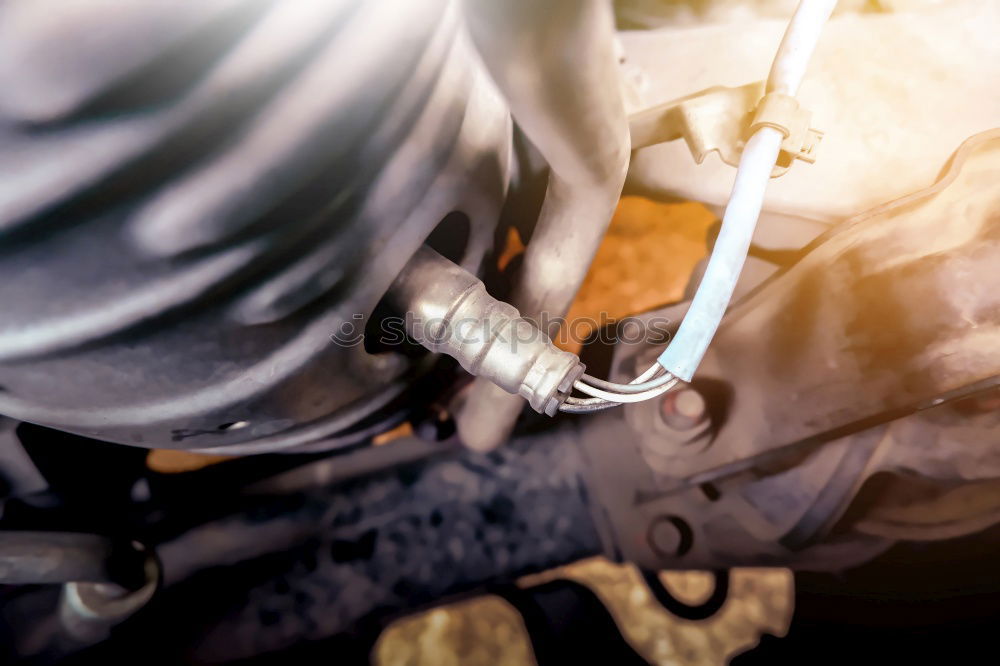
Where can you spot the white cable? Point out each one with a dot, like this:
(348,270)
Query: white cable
(624,397)
(653,377)
(801,36)
(685,351)
(682,357)
(647,375)
(635,386)
(588,405)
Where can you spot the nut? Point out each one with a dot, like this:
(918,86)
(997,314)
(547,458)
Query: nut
(683,410)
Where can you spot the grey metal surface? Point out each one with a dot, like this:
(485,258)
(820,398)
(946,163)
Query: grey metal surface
(205,195)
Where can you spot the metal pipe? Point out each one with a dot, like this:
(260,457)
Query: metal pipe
(88,611)
(555,63)
(103,582)
(54,557)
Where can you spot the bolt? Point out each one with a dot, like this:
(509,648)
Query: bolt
(683,410)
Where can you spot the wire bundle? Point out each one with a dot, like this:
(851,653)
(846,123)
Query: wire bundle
(655,381)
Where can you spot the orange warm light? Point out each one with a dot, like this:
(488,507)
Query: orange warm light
(644,262)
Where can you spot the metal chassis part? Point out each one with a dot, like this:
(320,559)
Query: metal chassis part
(876,353)
(887,314)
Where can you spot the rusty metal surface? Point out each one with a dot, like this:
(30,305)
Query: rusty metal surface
(628,274)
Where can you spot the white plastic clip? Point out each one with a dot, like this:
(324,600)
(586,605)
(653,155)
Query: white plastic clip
(782,112)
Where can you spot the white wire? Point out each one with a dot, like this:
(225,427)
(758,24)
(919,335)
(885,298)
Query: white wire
(591,405)
(624,397)
(659,380)
(684,354)
(648,374)
(618,398)
(797,45)
(587,408)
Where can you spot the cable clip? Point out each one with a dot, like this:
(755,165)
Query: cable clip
(721,119)
(782,112)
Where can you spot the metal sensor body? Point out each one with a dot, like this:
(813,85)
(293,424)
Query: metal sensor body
(447,310)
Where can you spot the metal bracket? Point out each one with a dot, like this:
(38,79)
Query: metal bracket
(721,119)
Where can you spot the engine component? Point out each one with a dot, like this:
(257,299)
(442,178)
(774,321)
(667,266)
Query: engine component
(588,484)
(187,228)
(267,280)
(447,310)
(88,611)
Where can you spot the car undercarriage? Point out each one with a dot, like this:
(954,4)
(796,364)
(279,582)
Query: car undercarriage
(291,354)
